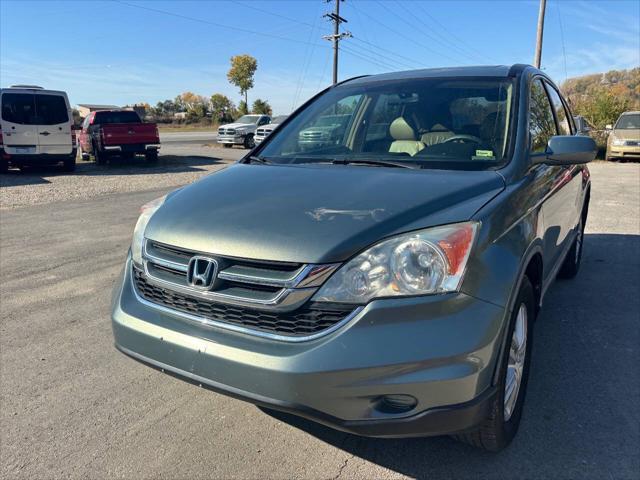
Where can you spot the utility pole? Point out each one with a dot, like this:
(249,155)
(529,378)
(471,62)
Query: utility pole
(538,57)
(337,36)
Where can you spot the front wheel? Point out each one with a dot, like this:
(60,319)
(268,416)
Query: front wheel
(227,145)
(499,428)
(249,142)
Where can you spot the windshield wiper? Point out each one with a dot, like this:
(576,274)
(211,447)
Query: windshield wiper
(380,163)
(254,158)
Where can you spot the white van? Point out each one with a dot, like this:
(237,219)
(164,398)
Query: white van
(36,128)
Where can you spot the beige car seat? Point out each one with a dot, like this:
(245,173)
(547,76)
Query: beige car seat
(404,138)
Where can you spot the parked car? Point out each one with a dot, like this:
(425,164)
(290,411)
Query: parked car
(118,132)
(36,128)
(384,287)
(264,131)
(242,131)
(326,130)
(624,137)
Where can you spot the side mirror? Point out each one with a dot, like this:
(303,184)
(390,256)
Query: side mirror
(608,127)
(569,150)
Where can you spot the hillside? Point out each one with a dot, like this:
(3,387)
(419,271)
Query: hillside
(602,97)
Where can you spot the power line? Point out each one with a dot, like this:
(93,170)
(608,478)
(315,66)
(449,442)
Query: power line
(308,55)
(564,51)
(473,50)
(216,24)
(423,31)
(400,34)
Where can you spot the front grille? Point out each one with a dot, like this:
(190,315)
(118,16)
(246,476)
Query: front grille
(632,143)
(299,323)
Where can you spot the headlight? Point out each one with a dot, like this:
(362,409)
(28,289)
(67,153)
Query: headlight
(618,142)
(146,212)
(417,263)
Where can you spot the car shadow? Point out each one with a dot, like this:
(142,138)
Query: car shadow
(33,175)
(581,412)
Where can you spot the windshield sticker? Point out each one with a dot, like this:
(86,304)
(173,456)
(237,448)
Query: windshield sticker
(485,153)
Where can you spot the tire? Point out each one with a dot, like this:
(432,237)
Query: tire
(501,426)
(571,264)
(4,165)
(100,157)
(69,165)
(151,156)
(249,142)
(227,145)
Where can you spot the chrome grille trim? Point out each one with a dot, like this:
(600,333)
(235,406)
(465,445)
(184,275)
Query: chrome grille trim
(247,281)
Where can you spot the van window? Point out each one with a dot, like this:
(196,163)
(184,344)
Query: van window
(18,108)
(51,110)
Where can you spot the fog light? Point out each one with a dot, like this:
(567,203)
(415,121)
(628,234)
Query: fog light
(396,403)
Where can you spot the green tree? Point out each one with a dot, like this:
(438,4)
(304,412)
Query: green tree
(261,106)
(242,108)
(222,107)
(243,68)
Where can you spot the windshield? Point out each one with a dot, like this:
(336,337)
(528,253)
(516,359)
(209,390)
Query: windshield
(279,119)
(439,123)
(248,119)
(628,122)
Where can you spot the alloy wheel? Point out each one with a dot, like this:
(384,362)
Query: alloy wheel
(515,367)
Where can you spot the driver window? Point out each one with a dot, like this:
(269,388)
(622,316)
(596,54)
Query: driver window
(542,125)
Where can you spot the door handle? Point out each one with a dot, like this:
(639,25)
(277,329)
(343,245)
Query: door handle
(45,133)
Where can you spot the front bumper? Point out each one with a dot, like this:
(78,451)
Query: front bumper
(441,350)
(624,151)
(231,139)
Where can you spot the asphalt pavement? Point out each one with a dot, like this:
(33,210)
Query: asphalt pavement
(72,406)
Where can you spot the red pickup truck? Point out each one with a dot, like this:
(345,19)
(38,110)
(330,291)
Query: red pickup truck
(118,132)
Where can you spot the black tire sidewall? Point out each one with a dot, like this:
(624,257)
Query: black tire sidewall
(248,141)
(510,427)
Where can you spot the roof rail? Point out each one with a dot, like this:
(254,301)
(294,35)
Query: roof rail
(30,87)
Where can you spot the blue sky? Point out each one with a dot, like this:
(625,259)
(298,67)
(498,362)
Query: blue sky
(130,51)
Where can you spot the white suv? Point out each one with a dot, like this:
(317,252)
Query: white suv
(36,128)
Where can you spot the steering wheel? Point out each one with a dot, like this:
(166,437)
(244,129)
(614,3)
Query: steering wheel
(463,139)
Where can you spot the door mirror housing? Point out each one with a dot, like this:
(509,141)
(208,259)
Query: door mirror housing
(569,150)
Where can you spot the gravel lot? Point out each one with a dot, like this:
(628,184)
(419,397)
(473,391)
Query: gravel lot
(179,164)
(71,406)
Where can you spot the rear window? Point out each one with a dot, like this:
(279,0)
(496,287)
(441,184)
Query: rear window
(30,109)
(51,110)
(127,116)
(18,108)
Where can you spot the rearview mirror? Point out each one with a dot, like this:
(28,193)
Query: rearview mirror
(569,150)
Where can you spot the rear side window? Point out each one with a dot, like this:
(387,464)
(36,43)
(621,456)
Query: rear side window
(19,108)
(126,116)
(542,125)
(51,110)
(561,113)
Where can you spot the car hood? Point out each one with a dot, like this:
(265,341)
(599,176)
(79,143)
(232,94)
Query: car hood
(627,134)
(314,214)
(238,125)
